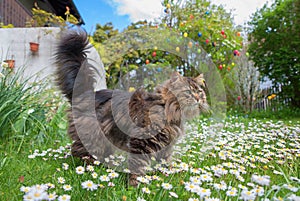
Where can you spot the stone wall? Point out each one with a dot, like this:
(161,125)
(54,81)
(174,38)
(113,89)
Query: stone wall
(14,44)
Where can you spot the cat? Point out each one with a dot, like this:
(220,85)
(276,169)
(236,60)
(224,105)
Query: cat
(147,126)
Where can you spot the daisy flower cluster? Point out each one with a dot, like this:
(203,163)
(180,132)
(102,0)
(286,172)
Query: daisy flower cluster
(60,153)
(40,192)
(237,159)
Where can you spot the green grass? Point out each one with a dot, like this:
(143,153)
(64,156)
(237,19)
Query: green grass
(15,164)
(34,150)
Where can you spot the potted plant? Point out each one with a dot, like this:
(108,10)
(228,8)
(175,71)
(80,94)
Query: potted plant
(10,62)
(34,47)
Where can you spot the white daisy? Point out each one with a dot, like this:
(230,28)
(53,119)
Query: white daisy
(126,170)
(89,185)
(140,199)
(52,196)
(259,191)
(64,198)
(204,192)
(143,180)
(31,156)
(206,177)
(261,180)
(195,170)
(247,195)
(28,197)
(290,187)
(155,177)
(166,186)
(212,199)
(41,187)
(191,187)
(79,170)
(231,192)
(96,162)
(37,194)
(294,197)
(173,194)
(193,199)
(146,190)
(67,187)
(61,180)
(184,166)
(113,175)
(94,175)
(220,186)
(110,184)
(50,185)
(104,178)
(65,166)
(90,168)
(195,180)
(25,189)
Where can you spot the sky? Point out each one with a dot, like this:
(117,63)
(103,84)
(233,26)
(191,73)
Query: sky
(122,12)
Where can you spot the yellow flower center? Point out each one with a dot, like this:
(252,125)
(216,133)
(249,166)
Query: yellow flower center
(37,195)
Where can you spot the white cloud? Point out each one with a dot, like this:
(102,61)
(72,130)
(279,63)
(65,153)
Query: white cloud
(242,8)
(152,9)
(138,9)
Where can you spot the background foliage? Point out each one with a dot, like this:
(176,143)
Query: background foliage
(33,119)
(275,46)
(202,25)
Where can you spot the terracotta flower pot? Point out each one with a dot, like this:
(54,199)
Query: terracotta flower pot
(34,47)
(11,63)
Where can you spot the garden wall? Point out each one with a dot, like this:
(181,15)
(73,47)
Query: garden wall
(14,44)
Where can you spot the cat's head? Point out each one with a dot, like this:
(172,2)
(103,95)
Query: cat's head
(190,94)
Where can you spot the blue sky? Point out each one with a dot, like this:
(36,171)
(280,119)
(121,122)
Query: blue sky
(100,11)
(122,12)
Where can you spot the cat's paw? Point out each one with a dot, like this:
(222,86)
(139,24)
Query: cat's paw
(133,180)
(89,160)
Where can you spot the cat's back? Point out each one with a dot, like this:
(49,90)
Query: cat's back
(140,107)
(146,108)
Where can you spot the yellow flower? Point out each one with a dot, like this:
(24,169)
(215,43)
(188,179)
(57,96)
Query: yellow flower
(67,11)
(272,96)
(131,89)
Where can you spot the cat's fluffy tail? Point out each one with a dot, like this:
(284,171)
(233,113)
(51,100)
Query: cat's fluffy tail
(70,56)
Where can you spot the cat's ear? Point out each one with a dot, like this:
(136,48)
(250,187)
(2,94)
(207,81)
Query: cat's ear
(200,80)
(175,76)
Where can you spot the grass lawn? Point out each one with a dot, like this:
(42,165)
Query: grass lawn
(239,159)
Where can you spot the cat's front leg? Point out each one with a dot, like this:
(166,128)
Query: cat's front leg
(133,180)
(137,163)
(165,155)
(139,158)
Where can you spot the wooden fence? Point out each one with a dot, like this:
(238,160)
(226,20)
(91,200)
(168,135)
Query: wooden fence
(271,100)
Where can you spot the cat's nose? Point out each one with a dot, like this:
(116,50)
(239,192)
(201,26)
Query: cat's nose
(196,96)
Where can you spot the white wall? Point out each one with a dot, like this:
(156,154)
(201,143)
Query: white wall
(14,42)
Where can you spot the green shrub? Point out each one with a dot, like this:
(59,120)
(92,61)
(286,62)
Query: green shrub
(284,113)
(29,109)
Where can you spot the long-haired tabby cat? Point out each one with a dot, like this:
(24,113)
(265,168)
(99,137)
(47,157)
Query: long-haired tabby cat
(157,117)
